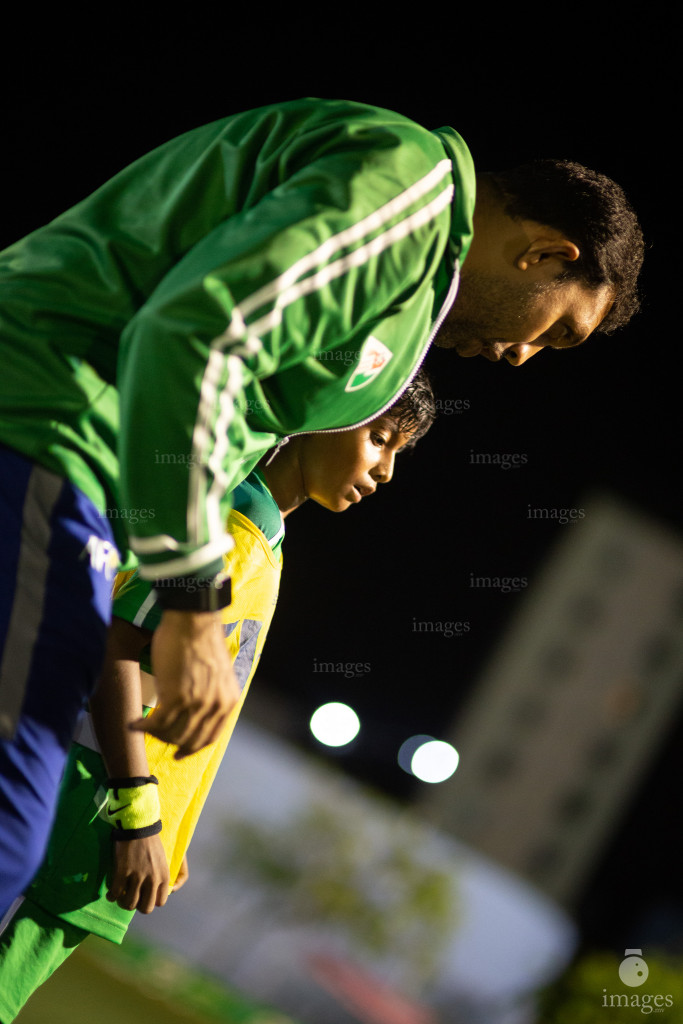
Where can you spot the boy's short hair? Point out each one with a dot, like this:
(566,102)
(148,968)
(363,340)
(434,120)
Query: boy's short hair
(415,409)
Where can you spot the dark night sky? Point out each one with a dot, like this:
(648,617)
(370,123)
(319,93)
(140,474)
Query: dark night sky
(80,103)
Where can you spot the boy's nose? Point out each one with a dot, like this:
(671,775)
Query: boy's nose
(385,468)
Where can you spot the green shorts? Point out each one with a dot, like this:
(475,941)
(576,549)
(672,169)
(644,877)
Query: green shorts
(33,945)
(72,882)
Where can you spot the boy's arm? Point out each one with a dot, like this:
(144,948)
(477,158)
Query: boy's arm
(140,876)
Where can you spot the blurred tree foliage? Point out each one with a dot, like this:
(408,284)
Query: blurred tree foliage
(333,866)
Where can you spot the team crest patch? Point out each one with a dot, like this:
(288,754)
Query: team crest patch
(372,359)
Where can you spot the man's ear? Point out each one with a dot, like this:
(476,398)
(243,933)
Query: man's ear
(549,245)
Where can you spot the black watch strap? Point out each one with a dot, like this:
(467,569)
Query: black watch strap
(194,594)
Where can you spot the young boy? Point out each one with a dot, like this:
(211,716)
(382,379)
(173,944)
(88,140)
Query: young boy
(125,785)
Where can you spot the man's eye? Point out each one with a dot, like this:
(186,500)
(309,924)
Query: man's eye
(567,337)
(561,340)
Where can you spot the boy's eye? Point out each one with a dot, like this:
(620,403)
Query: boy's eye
(378,439)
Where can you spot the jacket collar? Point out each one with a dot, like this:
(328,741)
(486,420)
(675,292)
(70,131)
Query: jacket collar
(465,192)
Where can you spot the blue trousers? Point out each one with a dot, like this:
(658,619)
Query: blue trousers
(57,563)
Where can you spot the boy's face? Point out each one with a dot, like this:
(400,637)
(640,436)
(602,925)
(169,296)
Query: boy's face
(339,469)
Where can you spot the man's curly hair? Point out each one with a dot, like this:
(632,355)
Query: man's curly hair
(592,211)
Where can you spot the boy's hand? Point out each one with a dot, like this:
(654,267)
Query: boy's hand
(195,681)
(140,878)
(183,875)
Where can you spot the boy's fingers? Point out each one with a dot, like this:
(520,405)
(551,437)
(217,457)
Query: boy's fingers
(152,894)
(129,895)
(162,894)
(146,900)
(116,886)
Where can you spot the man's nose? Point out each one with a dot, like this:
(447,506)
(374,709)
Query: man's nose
(521,353)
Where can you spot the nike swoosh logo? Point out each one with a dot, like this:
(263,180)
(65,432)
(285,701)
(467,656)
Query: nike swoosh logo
(121,808)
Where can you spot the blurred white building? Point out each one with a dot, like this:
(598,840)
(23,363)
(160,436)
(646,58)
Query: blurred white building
(509,939)
(573,703)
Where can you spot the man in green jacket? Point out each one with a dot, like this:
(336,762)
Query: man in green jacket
(281,271)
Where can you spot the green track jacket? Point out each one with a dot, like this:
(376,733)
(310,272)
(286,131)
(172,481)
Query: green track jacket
(279,271)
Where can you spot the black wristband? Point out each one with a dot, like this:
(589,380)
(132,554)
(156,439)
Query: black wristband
(131,781)
(126,834)
(194,594)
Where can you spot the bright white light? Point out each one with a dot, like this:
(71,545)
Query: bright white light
(407,749)
(434,761)
(334,724)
